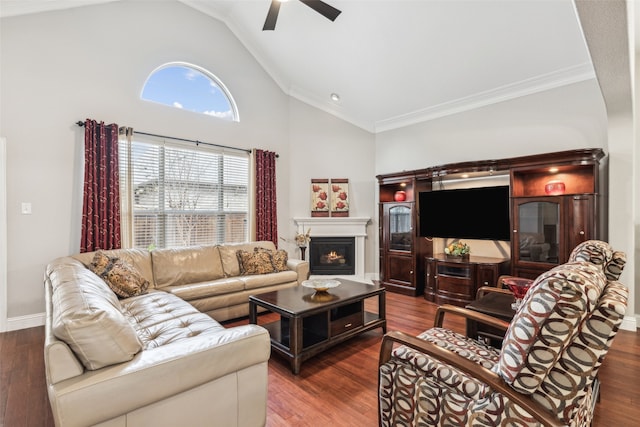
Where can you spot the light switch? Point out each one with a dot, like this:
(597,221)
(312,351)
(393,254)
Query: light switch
(26,208)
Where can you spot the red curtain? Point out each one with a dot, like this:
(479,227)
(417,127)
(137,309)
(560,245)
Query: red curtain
(266,212)
(101,201)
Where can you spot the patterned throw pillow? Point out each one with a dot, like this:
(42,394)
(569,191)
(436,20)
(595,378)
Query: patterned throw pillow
(280,258)
(256,262)
(123,279)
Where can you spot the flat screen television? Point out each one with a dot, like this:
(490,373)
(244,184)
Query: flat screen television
(470,213)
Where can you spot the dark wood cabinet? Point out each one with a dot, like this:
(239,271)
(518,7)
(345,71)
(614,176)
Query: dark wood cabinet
(553,210)
(397,248)
(400,248)
(456,281)
(430,274)
(556,202)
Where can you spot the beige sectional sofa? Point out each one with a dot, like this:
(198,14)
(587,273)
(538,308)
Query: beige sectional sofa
(156,358)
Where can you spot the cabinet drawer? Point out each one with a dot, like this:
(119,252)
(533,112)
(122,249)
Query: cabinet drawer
(346,323)
(455,285)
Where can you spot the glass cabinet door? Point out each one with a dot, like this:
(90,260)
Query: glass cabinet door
(400,228)
(538,231)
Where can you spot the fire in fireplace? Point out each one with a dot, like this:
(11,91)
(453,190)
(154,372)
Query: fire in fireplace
(332,255)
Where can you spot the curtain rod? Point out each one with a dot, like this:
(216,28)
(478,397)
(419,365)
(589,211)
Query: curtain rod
(81,124)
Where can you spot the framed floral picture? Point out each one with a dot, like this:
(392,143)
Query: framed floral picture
(319,197)
(339,197)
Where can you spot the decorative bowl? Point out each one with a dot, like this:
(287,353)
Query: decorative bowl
(321,285)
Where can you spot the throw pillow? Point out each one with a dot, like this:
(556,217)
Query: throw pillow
(123,278)
(280,258)
(256,262)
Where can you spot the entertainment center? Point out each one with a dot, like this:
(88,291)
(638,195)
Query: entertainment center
(553,201)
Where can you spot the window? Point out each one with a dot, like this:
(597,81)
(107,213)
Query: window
(192,88)
(181,194)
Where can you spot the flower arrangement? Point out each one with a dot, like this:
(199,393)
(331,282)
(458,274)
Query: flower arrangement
(303,238)
(457,249)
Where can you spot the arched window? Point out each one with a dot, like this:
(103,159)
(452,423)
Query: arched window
(191,88)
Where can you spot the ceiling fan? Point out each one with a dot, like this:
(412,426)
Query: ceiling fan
(321,7)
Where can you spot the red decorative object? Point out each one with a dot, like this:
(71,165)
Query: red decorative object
(519,286)
(554,188)
(400,196)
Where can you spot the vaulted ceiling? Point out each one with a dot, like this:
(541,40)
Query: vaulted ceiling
(397,62)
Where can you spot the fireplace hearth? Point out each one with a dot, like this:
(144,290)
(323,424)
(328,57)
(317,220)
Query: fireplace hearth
(332,255)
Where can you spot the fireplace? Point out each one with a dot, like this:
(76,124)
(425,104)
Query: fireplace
(353,228)
(332,255)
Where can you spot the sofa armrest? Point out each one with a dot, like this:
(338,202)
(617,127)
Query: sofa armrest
(301,268)
(158,373)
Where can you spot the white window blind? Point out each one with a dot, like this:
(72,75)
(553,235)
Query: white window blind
(182,194)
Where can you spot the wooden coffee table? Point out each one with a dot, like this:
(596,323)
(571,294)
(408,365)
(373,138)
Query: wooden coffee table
(311,322)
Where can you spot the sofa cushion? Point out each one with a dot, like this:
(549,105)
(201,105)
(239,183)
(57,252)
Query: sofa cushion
(255,262)
(87,316)
(161,318)
(180,266)
(434,369)
(122,277)
(200,290)
(273,279)
(230,262)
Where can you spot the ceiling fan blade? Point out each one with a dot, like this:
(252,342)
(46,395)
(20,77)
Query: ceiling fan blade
(272,16)
(323,8)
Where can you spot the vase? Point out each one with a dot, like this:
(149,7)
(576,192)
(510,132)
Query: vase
(400,196)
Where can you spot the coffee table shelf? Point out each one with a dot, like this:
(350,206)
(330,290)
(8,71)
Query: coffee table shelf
(307,327)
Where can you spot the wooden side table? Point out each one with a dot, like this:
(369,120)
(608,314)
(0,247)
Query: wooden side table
(495,304)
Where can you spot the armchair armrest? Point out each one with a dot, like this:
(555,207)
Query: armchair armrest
(485,375)
(483,290)
(468,315)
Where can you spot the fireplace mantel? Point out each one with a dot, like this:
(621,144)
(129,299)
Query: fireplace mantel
(339,227)
(333,226)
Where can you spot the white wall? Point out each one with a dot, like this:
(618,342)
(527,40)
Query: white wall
(565,118)
(323,146)
(91,62)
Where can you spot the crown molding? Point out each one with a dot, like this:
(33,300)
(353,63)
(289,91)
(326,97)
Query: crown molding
(541,83)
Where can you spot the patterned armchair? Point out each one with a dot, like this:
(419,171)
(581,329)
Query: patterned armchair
(545,373)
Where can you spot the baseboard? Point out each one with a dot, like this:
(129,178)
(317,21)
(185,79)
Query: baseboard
(24,322)
(629,323)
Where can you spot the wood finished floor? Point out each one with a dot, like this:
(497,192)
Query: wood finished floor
(336,388)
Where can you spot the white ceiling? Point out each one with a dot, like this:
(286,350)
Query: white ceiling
(397,62)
